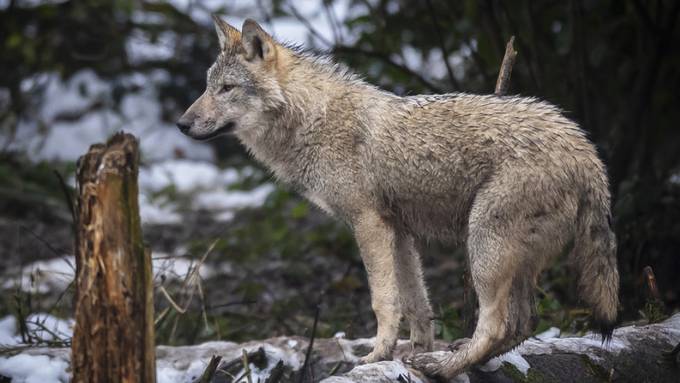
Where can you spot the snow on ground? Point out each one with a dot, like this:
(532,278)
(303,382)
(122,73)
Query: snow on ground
(185,363)
(34,369)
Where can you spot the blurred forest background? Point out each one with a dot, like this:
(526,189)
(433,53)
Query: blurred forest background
(237,257)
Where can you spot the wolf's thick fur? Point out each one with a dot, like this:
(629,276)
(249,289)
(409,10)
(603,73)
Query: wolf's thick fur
(509,177)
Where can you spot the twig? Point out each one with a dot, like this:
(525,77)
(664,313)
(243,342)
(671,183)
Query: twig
(276,373)
(181,310)
(55,251)
(193,280)
(68,197)
(651,283)
(209,371)
(309,26)
(335,368)
(503,81)
(333,21)
(246,366)
(308,354)
(257,357)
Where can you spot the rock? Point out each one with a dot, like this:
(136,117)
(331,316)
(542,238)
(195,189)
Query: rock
(633,355)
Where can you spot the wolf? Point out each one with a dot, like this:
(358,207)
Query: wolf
(510,178)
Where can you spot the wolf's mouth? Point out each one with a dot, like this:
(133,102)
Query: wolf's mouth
(224,129)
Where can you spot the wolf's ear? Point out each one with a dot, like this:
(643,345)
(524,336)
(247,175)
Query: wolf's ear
(228,35)
(257,43)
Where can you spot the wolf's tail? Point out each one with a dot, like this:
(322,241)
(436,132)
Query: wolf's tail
(594,255)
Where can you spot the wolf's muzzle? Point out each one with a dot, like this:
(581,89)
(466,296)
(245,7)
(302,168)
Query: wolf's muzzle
(183,125)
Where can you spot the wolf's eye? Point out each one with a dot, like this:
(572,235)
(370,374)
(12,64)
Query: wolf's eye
(226,88)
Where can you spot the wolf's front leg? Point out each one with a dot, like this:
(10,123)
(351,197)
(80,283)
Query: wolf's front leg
(415,304)
(376,240)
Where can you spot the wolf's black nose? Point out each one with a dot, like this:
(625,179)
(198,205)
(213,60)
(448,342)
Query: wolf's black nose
(183,126)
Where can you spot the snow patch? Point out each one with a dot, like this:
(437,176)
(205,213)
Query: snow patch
(588,344)
(205,185)
(513,357)
(24,368)
(231,200)
(177,267)
(185,176)
(49,328)
(552,332)
(141,46)
(158,211)
(8,330)
(82,111)
(380,371)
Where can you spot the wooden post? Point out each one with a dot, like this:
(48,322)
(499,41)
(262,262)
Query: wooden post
(113,339)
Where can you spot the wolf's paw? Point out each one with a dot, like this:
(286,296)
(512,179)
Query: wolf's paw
(457,344)
(430,363)
(375,356)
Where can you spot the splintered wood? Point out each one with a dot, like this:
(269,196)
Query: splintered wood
(113,339)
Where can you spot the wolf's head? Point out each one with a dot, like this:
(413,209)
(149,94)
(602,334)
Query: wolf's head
(243,85)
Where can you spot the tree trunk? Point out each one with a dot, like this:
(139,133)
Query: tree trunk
(113,339)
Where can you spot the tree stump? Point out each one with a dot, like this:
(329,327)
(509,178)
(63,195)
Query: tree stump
(113,339)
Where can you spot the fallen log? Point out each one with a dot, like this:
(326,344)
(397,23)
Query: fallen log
(637,353)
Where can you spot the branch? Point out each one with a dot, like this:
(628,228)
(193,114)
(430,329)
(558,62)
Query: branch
(209,372)
(310,27)
(308,354)
(503,81)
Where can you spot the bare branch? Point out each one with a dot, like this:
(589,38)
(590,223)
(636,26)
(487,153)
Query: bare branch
(310,346)
(309,26)
(209,372)
(503,81)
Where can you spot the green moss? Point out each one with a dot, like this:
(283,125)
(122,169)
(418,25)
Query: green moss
(654,311)
(595,369)
(532,376)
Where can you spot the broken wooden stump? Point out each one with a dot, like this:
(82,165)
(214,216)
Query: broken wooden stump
(113,339)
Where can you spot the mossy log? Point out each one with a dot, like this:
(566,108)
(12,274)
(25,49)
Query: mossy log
(636,353)
(113,338)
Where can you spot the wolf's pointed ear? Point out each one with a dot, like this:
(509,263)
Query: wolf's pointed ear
(228,35)
(257,43)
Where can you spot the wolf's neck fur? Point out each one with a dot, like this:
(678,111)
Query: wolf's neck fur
(321,100)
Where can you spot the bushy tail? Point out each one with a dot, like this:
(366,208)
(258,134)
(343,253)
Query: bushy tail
(594,255)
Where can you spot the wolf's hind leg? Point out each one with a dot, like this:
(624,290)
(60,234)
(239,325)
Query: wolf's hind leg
(493,267)
(522,309)
(377,244)
(415,304)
